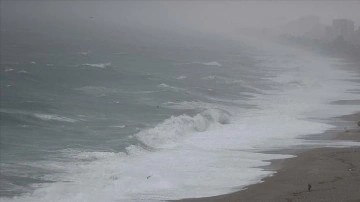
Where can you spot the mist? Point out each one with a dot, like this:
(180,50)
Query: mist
(226,17)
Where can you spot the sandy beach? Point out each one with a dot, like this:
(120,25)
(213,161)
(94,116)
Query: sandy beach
(333,173)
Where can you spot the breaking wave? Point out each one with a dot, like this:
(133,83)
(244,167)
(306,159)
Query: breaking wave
(170,132)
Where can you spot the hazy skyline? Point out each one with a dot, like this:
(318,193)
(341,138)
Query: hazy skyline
(208,16)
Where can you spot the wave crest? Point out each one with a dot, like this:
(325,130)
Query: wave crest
(169,133)
(100,65)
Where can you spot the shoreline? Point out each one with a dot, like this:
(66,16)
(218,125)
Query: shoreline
(334,174)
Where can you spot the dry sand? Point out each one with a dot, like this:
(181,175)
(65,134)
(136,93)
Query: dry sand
(334,174)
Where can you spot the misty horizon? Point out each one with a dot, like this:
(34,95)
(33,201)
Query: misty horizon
(216,17)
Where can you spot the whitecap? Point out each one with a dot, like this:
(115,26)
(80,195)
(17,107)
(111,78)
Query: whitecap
(186,105)
(181,77)
(53,117)
(22,72)
(85,53)
(42,116)
(98,90)
(224,80)
(99,65)
(163,85)
(7,69)
(213,63)
(118,126)
(171,88)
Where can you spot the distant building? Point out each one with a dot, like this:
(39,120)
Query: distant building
(318,32)
(301,26)
(341,31)
(341,28)
(356,37)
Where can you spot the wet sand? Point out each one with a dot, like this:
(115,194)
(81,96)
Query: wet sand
(334,175)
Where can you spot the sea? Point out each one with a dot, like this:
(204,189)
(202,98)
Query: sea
(95,112)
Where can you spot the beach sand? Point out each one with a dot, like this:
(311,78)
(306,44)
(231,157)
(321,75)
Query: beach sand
(334,175)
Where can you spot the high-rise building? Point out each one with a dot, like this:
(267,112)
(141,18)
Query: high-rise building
(356,37)
(342,27)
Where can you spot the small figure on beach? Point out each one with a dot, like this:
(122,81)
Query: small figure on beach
(358,123)
(309,187)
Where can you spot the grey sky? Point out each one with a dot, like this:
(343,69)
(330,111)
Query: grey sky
(214,16)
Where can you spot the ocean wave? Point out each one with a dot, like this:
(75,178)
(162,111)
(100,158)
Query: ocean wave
(99,65)
(118,126)
(84,53)
(98,90)
(121,53)
(192,105)
(224,80)
(168,87)
(213,63)
(41,116)
(144,92)
(22,72)
(91,155)
(163,85)
(170,132)
(54,117)
(7,69)
(181,77)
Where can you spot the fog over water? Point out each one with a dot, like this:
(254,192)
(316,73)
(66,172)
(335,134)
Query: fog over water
(163,100)
(179,16)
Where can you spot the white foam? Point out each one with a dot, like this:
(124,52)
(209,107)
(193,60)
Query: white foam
(163,85)
(22,72)
(99,90)
(213,63)
(119,126)
(181,77)
(194,105)
(140,175)
(54,117)
(42,116)
(171,88)
(224,80)
(170,133)
(100,65)
(84,53)
(9,69)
